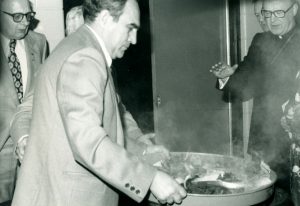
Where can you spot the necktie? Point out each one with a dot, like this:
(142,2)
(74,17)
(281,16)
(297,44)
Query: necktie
(15,68)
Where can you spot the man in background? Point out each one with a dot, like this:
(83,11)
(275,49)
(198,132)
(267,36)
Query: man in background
(74,19)
(78,154)
(22,51)
(257,6)
(268,74)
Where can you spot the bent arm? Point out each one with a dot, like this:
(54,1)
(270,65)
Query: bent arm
(81,91)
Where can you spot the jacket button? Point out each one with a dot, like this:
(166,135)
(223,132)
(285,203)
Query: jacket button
(137,192)
(127,185)
(132,188)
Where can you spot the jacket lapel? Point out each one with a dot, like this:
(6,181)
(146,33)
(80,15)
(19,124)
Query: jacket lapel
(6,81)
(110,85)
(32,56)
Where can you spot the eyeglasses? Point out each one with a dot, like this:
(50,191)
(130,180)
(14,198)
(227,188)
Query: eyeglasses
(277,13)
(18,17)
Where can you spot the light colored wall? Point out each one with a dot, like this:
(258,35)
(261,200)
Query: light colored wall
(50,15)
(249,27)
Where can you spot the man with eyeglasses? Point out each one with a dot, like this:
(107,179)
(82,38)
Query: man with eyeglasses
(21,53)
(268,74)
(257,6)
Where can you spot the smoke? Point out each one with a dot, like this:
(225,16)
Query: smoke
(184,127)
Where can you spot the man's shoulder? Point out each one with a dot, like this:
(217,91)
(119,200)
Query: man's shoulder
(80,44)
(36,36)
(261,36)
(81,41)
(297,33)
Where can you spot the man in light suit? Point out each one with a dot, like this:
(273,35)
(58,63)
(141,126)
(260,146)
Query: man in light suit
(30,50)
(77,152)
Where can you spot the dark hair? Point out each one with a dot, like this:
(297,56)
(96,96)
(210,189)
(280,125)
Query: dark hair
(254,1)
(92,7)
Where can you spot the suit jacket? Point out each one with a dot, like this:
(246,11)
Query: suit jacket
(268,74)
(35,46)
(75,154)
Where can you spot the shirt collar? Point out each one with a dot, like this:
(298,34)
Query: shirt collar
(104,49)
(287,35)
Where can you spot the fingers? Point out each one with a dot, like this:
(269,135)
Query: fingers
(234,67)
(166,189)
(158,149)
(178,197)
(220,70)
(175,198)
(151,135)
(170,200)
(148,139)
(217,67)
(20,150)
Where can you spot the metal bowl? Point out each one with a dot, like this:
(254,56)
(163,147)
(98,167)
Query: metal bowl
(259,181)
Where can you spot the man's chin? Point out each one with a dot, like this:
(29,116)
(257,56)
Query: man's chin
(21,34)
(276,32)
(120,55)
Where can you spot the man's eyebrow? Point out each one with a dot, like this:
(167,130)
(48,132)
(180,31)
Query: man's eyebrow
(135,26)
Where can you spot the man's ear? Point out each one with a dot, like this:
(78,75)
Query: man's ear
(295,8)
(104,18)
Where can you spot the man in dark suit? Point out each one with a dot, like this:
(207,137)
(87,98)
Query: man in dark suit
(21,53)
(78,154)
(268,74)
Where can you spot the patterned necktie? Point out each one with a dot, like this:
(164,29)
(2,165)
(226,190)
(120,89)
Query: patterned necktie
(15,68)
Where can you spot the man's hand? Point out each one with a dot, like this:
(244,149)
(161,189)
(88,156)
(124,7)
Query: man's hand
(155,153)
(21,146)
(166,189)
(148,139)
(158,149)
(222,71)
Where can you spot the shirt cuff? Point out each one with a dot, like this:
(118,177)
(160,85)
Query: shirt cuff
(21,138)
(16,146)
(222,82)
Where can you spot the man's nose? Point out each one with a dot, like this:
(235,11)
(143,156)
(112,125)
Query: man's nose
(25,21)
(273,17)
(261,18)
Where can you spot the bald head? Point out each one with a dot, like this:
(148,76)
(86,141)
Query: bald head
(9,27)
(280,15)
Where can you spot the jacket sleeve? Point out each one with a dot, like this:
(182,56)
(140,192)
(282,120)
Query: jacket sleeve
(81,89)
(241,84)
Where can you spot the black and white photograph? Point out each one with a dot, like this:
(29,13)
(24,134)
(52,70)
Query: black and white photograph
(149,102)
